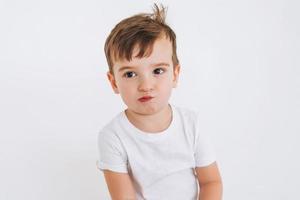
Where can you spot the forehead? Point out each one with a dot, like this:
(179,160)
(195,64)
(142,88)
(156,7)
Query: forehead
(161,52)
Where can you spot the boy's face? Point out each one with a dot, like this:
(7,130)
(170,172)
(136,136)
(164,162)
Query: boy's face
(145,84)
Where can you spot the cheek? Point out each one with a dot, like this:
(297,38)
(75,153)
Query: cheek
(166,82)
(165,87)
(126,87)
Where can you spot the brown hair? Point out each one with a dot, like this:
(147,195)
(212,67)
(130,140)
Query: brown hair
(140,30)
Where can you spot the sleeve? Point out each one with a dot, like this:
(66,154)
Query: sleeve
(203,149)
(112,155)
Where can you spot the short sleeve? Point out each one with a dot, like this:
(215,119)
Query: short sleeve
(203,149)
(112,155)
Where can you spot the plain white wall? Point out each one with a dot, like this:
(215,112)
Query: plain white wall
(240,67)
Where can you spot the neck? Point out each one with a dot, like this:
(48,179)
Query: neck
(151,123)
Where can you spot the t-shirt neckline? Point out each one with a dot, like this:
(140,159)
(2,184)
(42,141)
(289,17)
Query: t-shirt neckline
(136,132)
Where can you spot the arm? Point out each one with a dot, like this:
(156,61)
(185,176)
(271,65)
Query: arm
(119,185)
(210,182)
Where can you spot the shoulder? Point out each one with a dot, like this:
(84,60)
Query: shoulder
(191,120)
(188,116)
(188,120)
(109,132)
(112,154)
(109,140)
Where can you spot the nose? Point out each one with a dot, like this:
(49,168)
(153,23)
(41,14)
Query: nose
(146,84)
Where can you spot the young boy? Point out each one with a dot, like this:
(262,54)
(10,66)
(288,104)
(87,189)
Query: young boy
(152,150)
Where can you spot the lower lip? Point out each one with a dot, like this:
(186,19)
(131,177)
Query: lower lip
(145,99)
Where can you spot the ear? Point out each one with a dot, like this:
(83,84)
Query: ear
(176,75)
(112,81)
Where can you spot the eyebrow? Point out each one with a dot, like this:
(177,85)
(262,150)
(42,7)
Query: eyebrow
(153,65)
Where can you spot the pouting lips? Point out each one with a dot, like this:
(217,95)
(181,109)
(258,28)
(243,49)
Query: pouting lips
(145,98)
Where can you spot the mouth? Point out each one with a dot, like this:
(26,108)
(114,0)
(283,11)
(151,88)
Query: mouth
(145,98)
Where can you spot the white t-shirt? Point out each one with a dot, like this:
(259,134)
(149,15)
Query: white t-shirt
(161,164)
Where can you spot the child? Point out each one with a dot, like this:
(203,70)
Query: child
(152,150)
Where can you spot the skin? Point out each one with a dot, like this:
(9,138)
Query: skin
(210,182)
(153,76)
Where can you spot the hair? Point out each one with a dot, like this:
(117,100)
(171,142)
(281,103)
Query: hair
(141,31)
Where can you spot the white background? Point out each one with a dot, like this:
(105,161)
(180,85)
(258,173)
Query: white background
(240,68)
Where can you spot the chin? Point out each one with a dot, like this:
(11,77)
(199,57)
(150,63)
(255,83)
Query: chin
(149,110)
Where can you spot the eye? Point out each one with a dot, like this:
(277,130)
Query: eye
(129,74)
(158,71)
